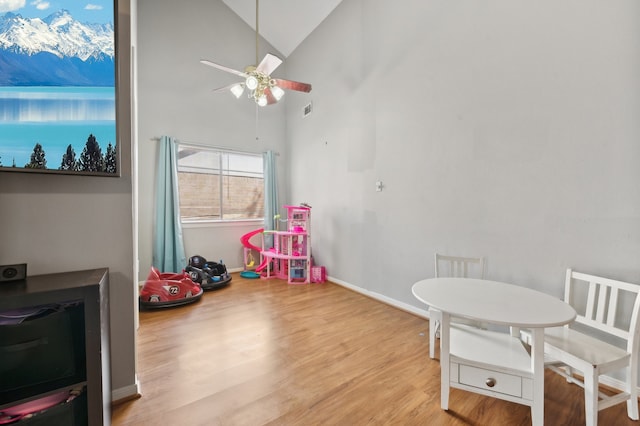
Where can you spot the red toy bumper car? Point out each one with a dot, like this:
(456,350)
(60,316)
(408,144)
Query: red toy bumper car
(166,289)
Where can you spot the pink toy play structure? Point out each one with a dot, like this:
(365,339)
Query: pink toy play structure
(290,257)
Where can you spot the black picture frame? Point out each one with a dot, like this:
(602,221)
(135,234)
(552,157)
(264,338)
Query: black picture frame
(58,89)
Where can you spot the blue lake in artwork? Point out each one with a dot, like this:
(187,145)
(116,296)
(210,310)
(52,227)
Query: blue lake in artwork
(54,117)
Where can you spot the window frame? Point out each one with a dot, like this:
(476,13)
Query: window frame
(222,172)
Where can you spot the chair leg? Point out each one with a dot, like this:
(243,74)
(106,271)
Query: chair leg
(632,384)
(591,397)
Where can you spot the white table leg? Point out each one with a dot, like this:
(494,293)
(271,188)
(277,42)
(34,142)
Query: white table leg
(444,360)
(537,366)
(434,319)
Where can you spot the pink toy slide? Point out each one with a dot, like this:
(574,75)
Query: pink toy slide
(245,242)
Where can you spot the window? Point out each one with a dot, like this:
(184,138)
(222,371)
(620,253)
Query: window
(219,185)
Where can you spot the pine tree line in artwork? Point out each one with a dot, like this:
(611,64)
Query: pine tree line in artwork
(90,160)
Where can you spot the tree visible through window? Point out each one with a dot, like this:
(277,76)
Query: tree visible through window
(219,185)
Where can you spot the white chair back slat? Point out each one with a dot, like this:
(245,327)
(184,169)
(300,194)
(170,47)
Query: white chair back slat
(591,301)
(613,307)
(602,302)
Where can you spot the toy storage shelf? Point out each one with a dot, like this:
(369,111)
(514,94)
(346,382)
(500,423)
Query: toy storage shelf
(70,348)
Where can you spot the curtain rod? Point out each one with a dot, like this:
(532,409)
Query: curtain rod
(200,145)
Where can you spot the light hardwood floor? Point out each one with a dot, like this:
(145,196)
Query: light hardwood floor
(268,353)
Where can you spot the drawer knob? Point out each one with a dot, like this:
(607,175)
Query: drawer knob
(491,382)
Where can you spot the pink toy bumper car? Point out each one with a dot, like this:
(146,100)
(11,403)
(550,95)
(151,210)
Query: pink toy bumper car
(166,289)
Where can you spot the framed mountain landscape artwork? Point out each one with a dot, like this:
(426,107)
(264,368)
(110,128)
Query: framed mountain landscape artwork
(58,87)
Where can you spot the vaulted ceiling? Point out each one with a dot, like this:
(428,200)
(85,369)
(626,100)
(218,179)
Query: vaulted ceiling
(283,23)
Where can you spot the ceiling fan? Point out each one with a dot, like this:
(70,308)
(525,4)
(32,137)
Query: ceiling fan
(263,89)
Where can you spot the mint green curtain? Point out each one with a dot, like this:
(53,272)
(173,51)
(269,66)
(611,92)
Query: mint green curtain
(168,246)
(271,206)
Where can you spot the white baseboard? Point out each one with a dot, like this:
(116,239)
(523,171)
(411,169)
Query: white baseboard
(126,392)
(423,313)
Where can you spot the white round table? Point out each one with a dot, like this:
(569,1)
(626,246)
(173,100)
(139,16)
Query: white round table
(487,362)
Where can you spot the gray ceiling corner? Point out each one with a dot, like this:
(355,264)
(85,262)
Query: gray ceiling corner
(283,23)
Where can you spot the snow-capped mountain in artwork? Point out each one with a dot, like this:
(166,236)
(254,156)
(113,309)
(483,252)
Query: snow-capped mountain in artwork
(55,51)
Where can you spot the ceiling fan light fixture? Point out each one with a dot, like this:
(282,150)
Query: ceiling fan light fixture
(261,88)
(277,92)
(237,90)
(252,82)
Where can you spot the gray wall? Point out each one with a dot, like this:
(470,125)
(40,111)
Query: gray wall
(507,129)
(60,223)
(175,99)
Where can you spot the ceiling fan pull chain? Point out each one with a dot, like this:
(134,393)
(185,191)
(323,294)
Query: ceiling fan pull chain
(257,112)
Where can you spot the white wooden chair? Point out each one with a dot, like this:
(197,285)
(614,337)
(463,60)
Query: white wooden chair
(451,266)
(610,309)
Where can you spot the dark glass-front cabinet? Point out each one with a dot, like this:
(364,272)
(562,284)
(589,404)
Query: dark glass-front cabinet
(54,349)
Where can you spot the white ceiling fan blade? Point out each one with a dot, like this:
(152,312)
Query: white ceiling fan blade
(223,68)
(293,85)
(269,64)
(227,87)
